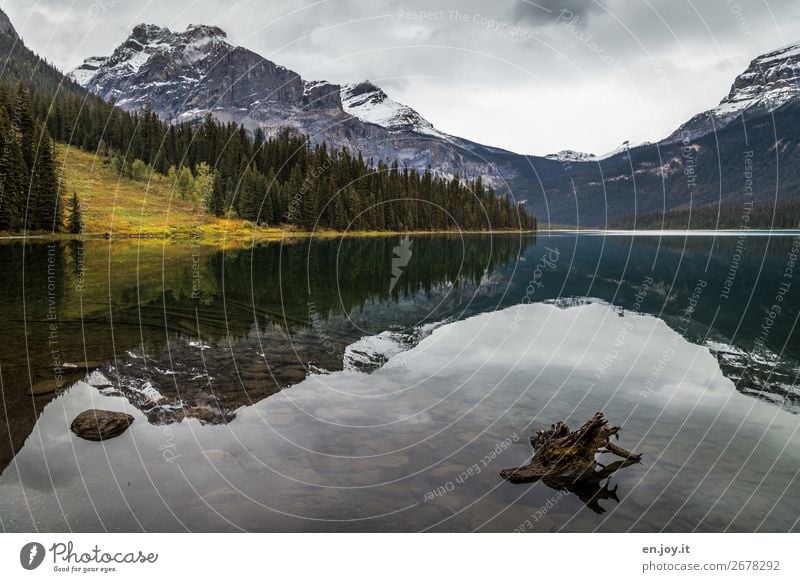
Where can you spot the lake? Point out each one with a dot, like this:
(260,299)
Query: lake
(381,383)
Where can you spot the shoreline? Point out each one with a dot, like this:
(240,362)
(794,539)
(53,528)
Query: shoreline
(270,235)
(673,232)
(276,234)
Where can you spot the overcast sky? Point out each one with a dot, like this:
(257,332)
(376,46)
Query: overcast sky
(533,77)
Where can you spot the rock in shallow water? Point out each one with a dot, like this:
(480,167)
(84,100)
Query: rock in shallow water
(98,425)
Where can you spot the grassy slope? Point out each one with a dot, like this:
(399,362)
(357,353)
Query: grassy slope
(149,208)
(119,206)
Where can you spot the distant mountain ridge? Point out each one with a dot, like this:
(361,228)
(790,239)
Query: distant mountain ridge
(742,152)
(186,75)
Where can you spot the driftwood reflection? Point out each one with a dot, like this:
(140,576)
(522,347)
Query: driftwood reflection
(565,460)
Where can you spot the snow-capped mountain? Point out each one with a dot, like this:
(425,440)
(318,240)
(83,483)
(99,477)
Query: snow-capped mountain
(133,75)
(369,103)
(769,82)
(151,46)
(185,75)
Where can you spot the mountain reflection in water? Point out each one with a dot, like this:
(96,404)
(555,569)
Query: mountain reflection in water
(395,387)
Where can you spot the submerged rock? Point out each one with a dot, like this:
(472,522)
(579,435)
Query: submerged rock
(98,425)
(44,387)
(54,383)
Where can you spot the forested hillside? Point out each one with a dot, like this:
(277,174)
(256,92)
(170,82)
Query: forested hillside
(782,214)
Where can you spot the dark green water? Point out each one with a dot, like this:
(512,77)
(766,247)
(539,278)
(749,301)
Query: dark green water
(372,384)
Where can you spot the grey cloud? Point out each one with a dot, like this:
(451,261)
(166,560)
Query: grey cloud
(545,12)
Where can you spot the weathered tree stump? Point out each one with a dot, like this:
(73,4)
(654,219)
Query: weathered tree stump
(566,460)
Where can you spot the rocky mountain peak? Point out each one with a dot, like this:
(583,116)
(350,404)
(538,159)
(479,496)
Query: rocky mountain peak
(199,31)
(145,33)
(146,43)
(368,102)
(769,82)
(367,87)
(156,64)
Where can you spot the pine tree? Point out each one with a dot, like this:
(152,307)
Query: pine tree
(24,124)
(12,177)
(75,225)
(44,209)
(216,202)
(249,196)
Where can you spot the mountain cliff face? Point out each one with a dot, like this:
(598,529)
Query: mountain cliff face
(771,80)
(745,167)
(185,75)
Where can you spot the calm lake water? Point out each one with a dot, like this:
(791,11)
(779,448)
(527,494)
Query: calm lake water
(381,384)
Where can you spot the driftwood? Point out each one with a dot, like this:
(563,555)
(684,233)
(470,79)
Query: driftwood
(565,460)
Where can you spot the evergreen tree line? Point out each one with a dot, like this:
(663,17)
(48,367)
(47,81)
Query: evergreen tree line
(29,186)
(275,181)
(781,214)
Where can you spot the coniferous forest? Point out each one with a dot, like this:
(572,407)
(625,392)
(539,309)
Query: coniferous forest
(280,180)
(781,214)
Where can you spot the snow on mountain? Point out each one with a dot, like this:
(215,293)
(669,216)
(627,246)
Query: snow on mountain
(147,44)
(572,156)
(770,81)
(369,103)
(84,74)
